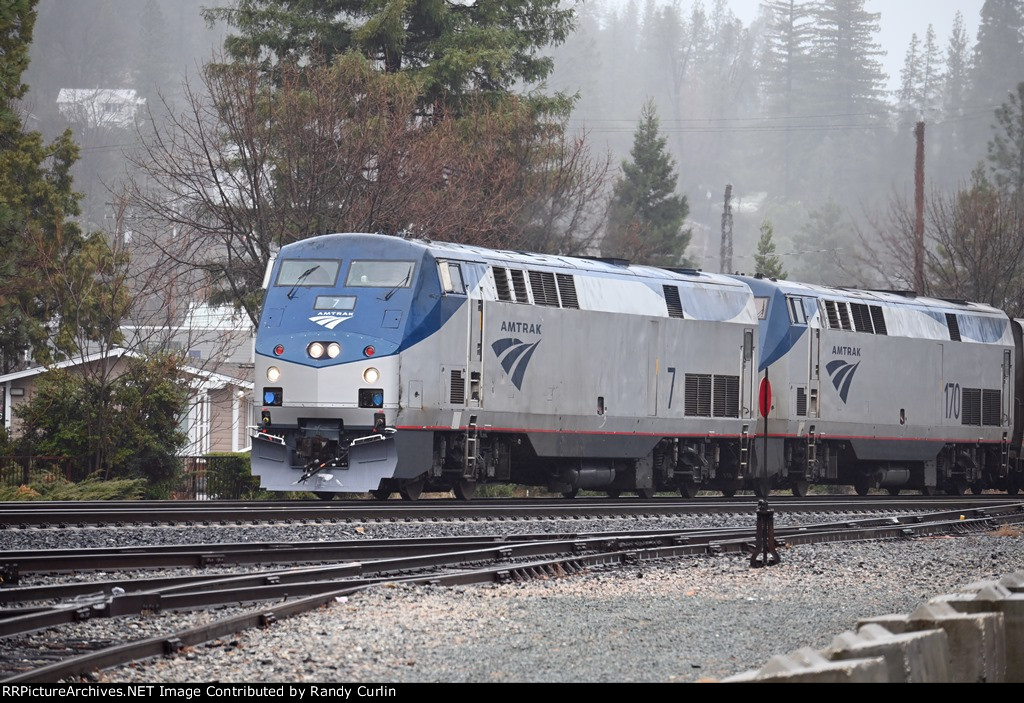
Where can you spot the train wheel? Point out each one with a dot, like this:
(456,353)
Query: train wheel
(613,492)
(570,494)
(464,489)
(645,493)
(977,488)
(893,491)
(411,490)
(729,492)
(929,490)
(862,485)
(325,495)
(688,489)
(956,487)
(1011,487)
(800,489)
(381,494)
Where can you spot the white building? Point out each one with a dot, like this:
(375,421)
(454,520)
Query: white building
(100,107)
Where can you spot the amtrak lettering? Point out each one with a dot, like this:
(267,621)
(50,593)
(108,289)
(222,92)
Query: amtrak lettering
(846,351)
(520,327)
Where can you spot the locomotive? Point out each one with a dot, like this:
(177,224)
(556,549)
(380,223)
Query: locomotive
(395,365)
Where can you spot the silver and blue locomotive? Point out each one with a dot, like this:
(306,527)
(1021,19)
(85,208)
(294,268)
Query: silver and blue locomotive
(392,365)
(887,390)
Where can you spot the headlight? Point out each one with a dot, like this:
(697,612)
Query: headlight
(273,374)
(333,349)
(371,375)
(315,350)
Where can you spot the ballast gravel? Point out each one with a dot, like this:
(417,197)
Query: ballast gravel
(686,620)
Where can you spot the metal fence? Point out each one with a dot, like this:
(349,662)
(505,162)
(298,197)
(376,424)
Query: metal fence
(209,477)
(22,470)
(216,477)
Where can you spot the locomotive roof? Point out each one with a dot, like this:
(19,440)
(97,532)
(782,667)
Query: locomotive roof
(535,260)
(891,298)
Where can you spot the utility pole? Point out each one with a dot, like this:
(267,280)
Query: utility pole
(726,251)
(919,210)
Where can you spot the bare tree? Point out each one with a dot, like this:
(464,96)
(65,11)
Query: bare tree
(251,166)
(974,246)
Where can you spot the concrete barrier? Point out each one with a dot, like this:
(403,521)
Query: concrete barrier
(973,636)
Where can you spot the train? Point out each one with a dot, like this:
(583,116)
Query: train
(394,365)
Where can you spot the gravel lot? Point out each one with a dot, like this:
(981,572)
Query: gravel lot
(686,620)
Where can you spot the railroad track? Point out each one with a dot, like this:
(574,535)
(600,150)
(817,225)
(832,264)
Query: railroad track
(33,514)
(272,593)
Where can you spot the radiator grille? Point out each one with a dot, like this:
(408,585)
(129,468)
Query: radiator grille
(727,396)
(970,406)
(675,306)
(458,387)
(698,395)
(991,407)
(567,290)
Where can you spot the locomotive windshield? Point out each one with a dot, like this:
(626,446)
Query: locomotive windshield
(380,274)
(308,272)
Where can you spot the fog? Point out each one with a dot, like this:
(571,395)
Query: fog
(795,160)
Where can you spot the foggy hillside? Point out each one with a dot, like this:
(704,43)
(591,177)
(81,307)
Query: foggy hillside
(791,108)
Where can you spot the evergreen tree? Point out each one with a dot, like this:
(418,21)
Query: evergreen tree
(950,140)
(918,96)
(787,77)
(819,245)
(850,89)
(999,53)
(645,223)
(36,207)
(852,81)
(766,262)
(1006,149)
(455,48)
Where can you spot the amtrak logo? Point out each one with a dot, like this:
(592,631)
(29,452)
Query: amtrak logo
(514,355)
(842,375)
(329,321)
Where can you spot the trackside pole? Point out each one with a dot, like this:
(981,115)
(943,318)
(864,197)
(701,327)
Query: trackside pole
(765,550)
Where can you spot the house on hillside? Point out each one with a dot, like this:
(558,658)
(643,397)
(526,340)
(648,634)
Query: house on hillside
(219,411)
(113,108)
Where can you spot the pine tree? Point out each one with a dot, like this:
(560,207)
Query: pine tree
(455,48)
(645,223)
(1006,149)
(951,136)
(36,207)
(766,262)
(999,54)
(787,78)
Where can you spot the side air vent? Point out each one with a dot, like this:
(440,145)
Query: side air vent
(458,388)
(832,315)
(501,284)
(970,406)
(542,284)
(675,306)
(698,395)
(954,326)
(878,317)
(991,407)
(861,318)
(727,396)
(519,285)
(567,290)
(801,401)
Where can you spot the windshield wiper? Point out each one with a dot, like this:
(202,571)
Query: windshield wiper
(402,284)
(300,279)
